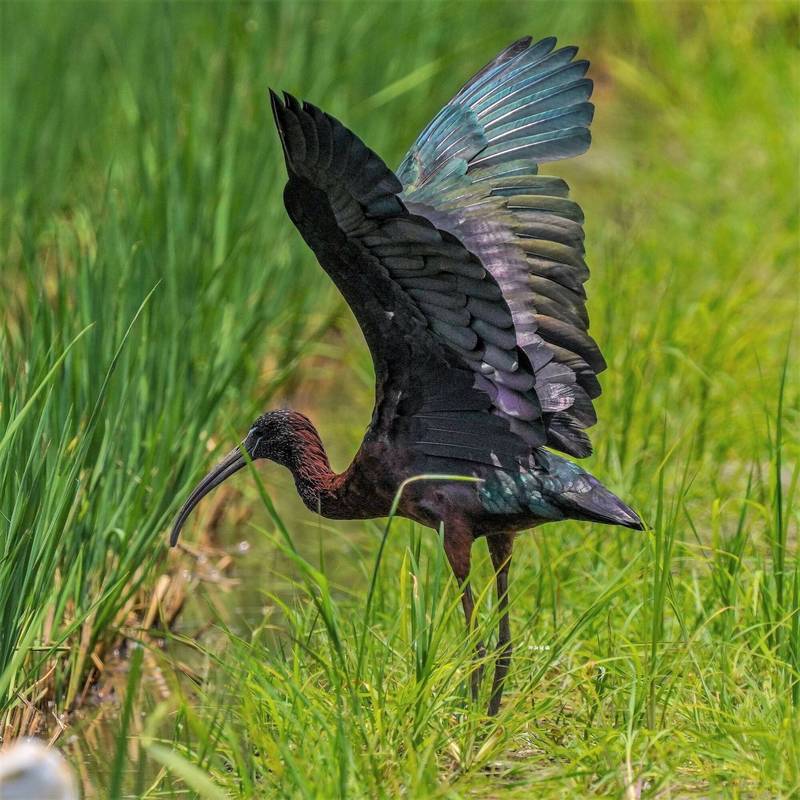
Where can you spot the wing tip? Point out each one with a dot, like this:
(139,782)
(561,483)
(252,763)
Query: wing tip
(279,114)
(291,102)
(281,105)
(286,112)
(518,46)
(546,45)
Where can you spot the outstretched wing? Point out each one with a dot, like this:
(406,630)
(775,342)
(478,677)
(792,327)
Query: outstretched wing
(473,172)
(448,367)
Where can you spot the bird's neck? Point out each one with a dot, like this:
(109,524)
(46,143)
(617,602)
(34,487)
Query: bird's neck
(317,484)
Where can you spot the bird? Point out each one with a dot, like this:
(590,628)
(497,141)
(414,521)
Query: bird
(465,271)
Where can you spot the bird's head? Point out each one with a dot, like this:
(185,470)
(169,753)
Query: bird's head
(273,435)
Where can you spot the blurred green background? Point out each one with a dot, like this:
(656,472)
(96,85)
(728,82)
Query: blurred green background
(154,297)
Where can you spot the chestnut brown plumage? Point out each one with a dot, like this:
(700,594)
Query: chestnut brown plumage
(465,271)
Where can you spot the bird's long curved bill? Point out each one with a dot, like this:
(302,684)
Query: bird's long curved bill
(232,462)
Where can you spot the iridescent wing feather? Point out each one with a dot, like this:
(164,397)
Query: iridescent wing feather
(474,173)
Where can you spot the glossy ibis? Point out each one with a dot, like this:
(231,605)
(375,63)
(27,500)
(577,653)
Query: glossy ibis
(465,270)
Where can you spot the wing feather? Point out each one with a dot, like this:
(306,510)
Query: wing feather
(437,323)
(474,172)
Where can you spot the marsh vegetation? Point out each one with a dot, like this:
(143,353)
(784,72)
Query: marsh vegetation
(155,298)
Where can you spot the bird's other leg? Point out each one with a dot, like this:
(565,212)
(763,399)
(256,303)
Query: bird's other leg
(500,547)
(458,548)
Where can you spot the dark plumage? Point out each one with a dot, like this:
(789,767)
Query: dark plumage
(465,271)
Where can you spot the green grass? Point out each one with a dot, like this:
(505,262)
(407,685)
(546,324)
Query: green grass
(663,664)
(144,293)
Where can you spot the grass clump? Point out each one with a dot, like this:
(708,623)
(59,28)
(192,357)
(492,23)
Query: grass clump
(142,295)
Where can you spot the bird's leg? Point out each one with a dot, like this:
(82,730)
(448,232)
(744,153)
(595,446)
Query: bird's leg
(500,547)
(480,651)
(458,548)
